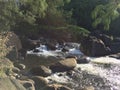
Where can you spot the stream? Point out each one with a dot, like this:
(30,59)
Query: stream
(102,73)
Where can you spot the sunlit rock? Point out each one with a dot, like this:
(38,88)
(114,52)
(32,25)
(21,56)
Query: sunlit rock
(64,65)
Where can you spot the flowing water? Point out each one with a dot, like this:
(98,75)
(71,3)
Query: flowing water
(102,73)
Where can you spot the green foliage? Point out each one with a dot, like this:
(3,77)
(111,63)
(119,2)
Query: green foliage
(81,11)
(33,8)
(104,14)
(26,16)
(8,14)
(78,30)
(15,12)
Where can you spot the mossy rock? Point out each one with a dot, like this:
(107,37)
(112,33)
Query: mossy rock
(5,67)
(10,84)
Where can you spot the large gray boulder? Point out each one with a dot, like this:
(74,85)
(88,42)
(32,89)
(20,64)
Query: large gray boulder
(95,47)
(33,60)
(29,44)
(64,65)
(99,48)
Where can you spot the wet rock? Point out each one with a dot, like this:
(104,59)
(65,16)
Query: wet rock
(29,44)
(51,46)
(64,65)
(29,85)
(99,48)
(83,59)
(20,66)
(95,47)
(117,56)
(41,71)
(65,49)
(56,87)
(39,82)
(15,70)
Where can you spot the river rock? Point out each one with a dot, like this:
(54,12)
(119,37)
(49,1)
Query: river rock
(51,46)
(65,49)
(83,59)
(99,48)
(37,60)
(56,87)
(10,84)
(39,82)
(15,70)
(117,56)
(41,71)
(29,85)
(20,66)
(29,44)
(95,47)
(64,65)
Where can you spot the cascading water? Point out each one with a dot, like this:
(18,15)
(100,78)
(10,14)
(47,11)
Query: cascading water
(99,74)
(102,73)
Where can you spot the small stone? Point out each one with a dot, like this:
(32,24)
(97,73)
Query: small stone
(20,66)
(83,59)
(15,70)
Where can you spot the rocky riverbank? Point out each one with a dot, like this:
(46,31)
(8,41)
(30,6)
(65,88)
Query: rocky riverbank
(57,66)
